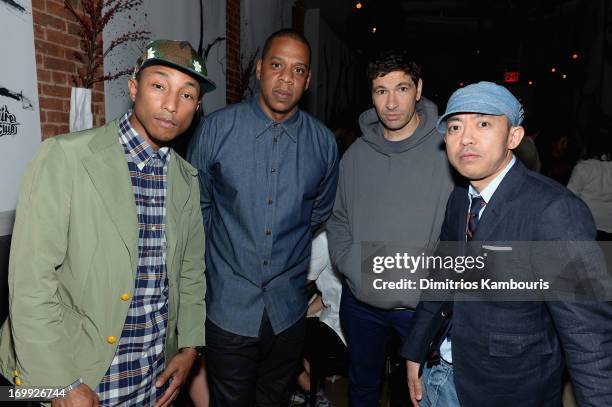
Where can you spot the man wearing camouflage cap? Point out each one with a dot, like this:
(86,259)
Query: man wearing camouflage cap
(106,267)
(510,353)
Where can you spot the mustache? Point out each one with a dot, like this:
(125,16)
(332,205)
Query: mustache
(168,118)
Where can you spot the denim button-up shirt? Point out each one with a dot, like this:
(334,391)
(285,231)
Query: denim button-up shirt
(264,187)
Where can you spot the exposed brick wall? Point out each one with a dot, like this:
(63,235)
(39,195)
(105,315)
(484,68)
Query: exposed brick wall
(55,41)
(232,51)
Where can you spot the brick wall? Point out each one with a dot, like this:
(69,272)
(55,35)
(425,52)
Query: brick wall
(232,51)
(55,41)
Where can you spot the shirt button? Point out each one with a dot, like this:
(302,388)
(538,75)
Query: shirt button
(268,232)
(270,201)
(273,170)
(275,139)
(153,228)
(265,262)
(125,297)
(111,339)
(152,200)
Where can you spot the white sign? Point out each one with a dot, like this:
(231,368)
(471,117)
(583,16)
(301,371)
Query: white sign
(19,111)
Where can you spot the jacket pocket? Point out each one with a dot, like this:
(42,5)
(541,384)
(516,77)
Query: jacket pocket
(73,321)
(508,345)
(86,350)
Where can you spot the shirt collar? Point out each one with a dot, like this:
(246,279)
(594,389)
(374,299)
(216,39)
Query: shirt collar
(290,125)
(490,189)
(136,147)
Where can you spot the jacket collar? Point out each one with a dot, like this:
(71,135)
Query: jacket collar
(108,172)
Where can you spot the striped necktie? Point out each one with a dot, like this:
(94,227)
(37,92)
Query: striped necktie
(477,204)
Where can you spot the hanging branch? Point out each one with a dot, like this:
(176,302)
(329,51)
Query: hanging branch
(206,51)
(95,16)
(246,73)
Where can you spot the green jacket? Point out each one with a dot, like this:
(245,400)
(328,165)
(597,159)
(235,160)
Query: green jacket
(74,255)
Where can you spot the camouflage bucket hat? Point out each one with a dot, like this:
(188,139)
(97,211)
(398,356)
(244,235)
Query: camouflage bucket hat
(179,55)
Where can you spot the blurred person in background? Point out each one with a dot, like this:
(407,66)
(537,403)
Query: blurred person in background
(591,180)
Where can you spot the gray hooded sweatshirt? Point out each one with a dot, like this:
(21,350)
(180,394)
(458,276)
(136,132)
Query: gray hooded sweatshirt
(388,192)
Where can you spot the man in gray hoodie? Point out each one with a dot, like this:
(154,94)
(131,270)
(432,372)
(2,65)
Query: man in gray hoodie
(393,187)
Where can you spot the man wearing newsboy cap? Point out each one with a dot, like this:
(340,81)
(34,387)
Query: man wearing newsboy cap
(510,353)
(106,268)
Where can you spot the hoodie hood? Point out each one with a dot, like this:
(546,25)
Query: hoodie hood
(373,132)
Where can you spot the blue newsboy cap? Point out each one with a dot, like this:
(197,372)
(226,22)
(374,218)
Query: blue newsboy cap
(485,98)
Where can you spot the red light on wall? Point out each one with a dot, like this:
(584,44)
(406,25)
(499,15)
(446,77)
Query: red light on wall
(512,76)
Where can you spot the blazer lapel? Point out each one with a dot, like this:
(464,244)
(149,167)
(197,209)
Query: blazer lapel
(500,202)
(107,169)
(178,195)
(463,205)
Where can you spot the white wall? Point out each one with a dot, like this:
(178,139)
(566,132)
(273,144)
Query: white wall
(259,19)
(311,32)
(334,70)
(179,20)
(17,75)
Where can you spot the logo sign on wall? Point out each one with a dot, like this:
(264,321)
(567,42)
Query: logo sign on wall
(19,113)
(8,122)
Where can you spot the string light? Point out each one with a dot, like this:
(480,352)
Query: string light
(553,69)
(358,6)
(530,83)
(574,56)
(373,30)
(564,76)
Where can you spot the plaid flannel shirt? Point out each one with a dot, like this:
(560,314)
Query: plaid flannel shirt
(139,358)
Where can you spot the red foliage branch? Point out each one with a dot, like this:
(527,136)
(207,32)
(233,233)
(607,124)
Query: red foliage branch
(95,15)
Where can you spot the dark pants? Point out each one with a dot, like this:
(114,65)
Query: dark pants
(322,342)
(245,371)
(368,330)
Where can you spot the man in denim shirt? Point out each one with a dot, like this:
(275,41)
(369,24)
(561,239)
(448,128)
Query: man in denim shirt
(268,175)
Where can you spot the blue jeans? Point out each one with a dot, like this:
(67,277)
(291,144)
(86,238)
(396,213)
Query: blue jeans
(368,330)
(439,386)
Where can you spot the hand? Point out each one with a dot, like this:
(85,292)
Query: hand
(414,382)
(178,369)
(315,306)
(80,396)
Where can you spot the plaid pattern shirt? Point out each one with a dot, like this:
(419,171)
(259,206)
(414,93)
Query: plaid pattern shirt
(139,359)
